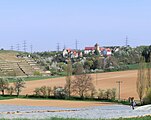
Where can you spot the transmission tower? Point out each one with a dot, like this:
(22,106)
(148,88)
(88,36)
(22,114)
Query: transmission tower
(24,45)
(58,47)
(12,47)
(18,47)
(76,44)
(126,41)
(64,46)
(31,48)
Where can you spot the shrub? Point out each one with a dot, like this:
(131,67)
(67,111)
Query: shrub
(37,91)
(101,94)
(37,73)
(49,90)
(59,92)
(10,90)
(109,94)
(147,98)
(113,93)
(43,91)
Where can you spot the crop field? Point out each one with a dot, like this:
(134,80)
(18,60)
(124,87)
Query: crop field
(100,80)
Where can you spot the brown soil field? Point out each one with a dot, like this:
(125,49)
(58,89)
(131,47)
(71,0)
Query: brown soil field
(53,103)
(100,80)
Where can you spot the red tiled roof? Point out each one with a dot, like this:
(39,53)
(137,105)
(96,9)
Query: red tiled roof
(89,48)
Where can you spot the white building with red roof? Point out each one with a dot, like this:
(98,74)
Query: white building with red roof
(102,51)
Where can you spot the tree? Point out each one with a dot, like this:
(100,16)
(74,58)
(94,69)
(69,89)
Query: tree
(96,52)
(141,79)
(82,84)
(19,84)
(113,93)
(97,63)
(148,79)
(78,69)
(49,90)
(88,65)
(59,92)
(43,90)
(3,85)
(10,90)
(93,92)
(68,79)
(108,94)
(146,53)
(37,91)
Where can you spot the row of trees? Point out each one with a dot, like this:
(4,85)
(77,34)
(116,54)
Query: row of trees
(16,87)
(60,92)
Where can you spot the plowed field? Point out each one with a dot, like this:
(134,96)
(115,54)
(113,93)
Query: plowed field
(100,80)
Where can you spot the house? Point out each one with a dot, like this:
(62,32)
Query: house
(102,51)
(72,53)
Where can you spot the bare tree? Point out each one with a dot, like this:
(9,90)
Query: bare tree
(49,90)
(113,93)
(3,85)
(93,92)
(68,79)
(37,91)
(43,90)
(82,84)
(141,76)
(10,90)
(101,94)
(19,84)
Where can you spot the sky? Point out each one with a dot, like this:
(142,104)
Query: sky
(45,23)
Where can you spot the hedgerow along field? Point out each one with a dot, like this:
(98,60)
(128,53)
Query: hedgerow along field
(106,80)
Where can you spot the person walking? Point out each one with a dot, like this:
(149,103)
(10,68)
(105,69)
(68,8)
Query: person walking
(133,103)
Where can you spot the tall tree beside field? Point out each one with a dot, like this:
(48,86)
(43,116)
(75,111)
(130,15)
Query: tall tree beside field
(68,79)
(3,85)
(82,85)
(148,79)
(19,84)
(141,76)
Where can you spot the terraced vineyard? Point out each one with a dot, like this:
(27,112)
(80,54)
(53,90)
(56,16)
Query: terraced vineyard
(13,65)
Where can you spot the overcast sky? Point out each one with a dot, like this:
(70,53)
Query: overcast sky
(44,23)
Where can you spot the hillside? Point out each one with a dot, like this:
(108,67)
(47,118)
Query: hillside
(14,64)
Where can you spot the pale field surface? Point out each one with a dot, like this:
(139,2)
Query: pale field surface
(53,103)
(101,81)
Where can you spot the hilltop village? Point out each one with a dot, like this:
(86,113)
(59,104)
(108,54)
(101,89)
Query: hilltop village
(89,60)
